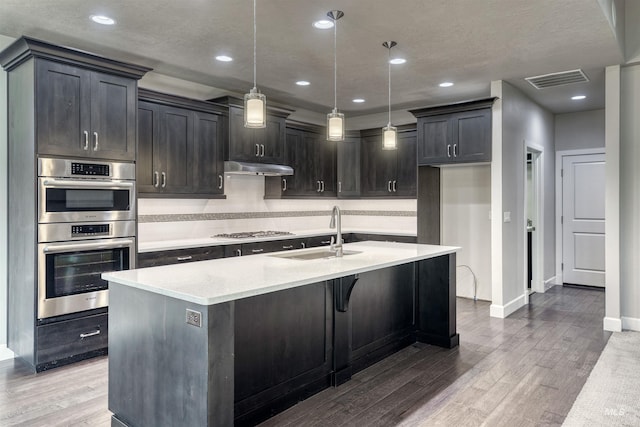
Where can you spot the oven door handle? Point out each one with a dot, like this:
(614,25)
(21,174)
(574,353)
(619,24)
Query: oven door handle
(67,247)
(61,183)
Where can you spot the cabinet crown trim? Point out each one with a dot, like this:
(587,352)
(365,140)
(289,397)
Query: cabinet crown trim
(475,104)
(26,48)
(180,101)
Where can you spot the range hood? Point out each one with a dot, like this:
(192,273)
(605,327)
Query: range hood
(246,168)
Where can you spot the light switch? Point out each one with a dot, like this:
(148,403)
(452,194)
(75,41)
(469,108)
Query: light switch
(507,217)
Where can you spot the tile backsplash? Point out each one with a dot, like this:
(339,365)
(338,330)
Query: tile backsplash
(245,209)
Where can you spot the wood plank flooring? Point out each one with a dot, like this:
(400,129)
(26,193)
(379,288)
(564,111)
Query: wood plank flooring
(523,370)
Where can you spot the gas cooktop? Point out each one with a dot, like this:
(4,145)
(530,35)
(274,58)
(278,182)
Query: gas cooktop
(249,234)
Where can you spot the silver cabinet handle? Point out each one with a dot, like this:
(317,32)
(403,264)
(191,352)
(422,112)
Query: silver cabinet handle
(322,186)
(284,184)
(325,242)
(90,334)
(257,150)
(220,181)
(288,247)
(394,186)
(339,186)
(389,186)
(455,150)
(95,147)
(156,179)
(238,252)
(262,152)
(86,140)
(184,258)
(257,251)
(448,150)
(318,184)
(164,179)
(303,245)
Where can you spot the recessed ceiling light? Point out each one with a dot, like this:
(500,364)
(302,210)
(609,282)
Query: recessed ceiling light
(101,19)
(578,97)
(302,83)
(323,24)
(224,58)
(446,84)
(397,61)
(358,100)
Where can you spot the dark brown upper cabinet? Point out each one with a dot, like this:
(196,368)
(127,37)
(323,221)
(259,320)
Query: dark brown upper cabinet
(180,147)
(83,105)
(264,145)
(348,166)
(457,133)
(388,173)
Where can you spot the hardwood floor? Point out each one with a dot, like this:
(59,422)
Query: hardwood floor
(523,370)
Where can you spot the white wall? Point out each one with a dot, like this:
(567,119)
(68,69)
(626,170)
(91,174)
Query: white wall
(466,202)
(4,353)
(630,196)
(522,121)
(574,131)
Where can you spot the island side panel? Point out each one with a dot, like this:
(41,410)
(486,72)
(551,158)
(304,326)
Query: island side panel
(436,308)
(163,371)
(283,349)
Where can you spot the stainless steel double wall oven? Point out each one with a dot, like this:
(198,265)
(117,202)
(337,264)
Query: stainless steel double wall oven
(86,226)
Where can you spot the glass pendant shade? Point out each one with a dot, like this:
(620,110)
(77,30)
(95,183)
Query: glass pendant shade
(335,126)
(255,109)
(389,137)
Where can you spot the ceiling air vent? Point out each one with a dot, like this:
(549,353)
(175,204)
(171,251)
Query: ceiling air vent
(557,79)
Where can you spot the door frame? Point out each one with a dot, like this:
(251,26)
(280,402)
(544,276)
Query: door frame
(537,243)
(559,197)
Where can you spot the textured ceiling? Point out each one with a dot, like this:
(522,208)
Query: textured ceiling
(469,42)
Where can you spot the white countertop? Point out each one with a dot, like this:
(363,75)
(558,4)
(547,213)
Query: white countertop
(164,245)
(228,279)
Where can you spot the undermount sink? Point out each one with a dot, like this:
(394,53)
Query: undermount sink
(313,254)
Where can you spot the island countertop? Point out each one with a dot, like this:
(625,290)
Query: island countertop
(221,280)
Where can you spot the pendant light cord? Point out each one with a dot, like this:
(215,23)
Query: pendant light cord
(254,44)
(389,67)
(335,64)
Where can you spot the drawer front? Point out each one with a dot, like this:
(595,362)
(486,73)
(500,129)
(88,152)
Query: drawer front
(273,246)
(177,256)
(72,337)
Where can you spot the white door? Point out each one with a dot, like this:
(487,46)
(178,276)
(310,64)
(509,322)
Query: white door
(583,191)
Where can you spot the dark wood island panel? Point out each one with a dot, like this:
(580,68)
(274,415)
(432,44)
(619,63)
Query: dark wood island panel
(254,357)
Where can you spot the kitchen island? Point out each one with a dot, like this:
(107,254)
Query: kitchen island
(234,341)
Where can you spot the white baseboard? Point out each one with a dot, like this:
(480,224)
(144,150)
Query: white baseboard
(630,324)
(5,353)
(612,324)
(549,283)
(502,311)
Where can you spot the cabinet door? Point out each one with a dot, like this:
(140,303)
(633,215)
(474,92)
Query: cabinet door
(348,168)
(378,168)
(271,140)
(435,145)
(406,182)
(176,147)
(207,163)
(472,136)
(325,164)
(295,156)
(113,117)
(63,109)
(147,173)
(242,144)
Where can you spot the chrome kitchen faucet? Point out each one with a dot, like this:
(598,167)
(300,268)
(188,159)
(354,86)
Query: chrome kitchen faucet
(336,245)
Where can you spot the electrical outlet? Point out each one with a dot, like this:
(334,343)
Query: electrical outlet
(194,318)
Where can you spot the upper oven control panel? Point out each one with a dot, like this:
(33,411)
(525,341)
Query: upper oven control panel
(92,169)
(82,169)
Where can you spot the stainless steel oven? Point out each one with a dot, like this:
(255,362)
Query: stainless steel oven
(74,190)
(86,226)
(69,270)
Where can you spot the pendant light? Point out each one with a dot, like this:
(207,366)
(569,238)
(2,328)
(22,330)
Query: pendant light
(335,120)
(255,103)
(389,133)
